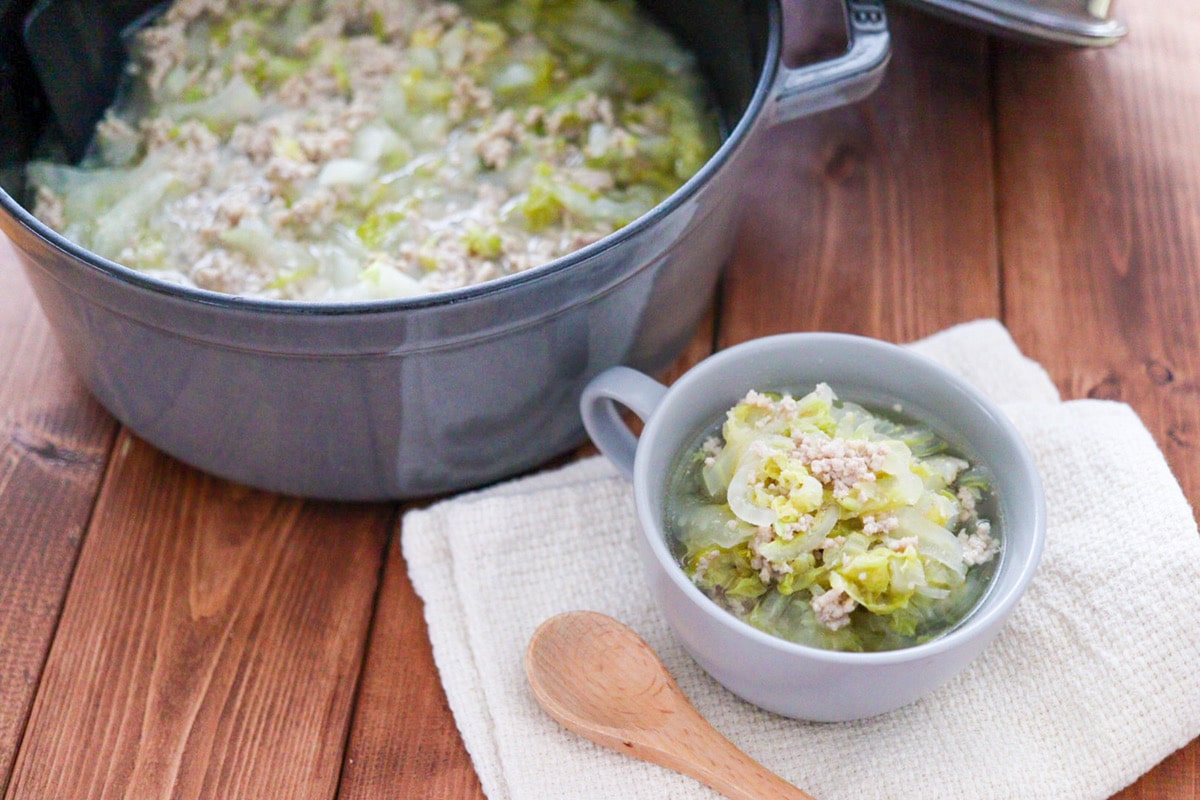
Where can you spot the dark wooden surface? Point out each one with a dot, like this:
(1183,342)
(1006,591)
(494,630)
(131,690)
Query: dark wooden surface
(164,634)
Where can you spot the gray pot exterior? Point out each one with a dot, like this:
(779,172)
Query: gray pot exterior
(416,397)
(389,402)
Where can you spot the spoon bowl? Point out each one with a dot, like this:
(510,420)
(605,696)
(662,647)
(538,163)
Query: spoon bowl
(598,678)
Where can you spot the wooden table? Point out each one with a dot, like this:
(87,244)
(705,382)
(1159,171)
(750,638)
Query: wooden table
(167,634)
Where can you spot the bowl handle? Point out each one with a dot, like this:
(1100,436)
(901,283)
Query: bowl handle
(636,391)
(851,76)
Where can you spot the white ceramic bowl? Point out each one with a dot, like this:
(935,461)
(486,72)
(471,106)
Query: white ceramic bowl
(791,679)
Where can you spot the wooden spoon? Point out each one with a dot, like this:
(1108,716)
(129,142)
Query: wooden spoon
(600,679)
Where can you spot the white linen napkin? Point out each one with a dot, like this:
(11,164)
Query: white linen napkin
(1093,681)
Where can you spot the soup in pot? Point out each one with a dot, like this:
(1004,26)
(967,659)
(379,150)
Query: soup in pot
(345,150)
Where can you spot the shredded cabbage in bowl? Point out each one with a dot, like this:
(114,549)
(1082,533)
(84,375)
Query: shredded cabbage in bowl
(365,149)
(823,523)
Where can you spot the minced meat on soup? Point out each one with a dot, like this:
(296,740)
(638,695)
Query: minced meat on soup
(827,524)
(369,149)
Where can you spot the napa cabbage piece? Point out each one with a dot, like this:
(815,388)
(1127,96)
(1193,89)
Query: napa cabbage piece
(832,524)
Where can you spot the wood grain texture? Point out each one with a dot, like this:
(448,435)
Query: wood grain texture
(1101,211)
(1099,188)
(877,218)
(210,645)
(54,442)
(404,742)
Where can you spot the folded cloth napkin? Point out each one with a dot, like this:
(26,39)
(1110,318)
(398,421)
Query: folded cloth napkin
(1092,682)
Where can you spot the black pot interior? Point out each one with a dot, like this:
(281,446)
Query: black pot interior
(39,37)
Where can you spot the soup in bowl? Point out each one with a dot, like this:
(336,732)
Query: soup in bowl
(826,557)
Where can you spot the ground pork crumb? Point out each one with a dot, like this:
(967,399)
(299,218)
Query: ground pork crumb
(833,608)
(317,208)
(879,523)
(234,206)
(703,563)
(468,95)
(978,546)
(831,542)
(966,503)
(48,207)
(184,11)
(219,269)
(119,141)
(325,144)
(285,171)
(767,569)
(756,399)
(788,531)
(840,463)
(163,47)
(494,151)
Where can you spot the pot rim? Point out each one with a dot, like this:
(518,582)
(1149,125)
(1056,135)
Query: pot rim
(737,135)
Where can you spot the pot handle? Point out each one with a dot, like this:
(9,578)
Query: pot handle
(640,393)
(849,77)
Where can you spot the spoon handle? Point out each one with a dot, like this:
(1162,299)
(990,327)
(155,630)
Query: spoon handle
(699,750)
(597,677)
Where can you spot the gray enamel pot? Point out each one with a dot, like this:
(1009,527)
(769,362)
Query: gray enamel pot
(420,396)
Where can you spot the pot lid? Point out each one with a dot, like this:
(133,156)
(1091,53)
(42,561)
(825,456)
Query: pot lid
(1081,23)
